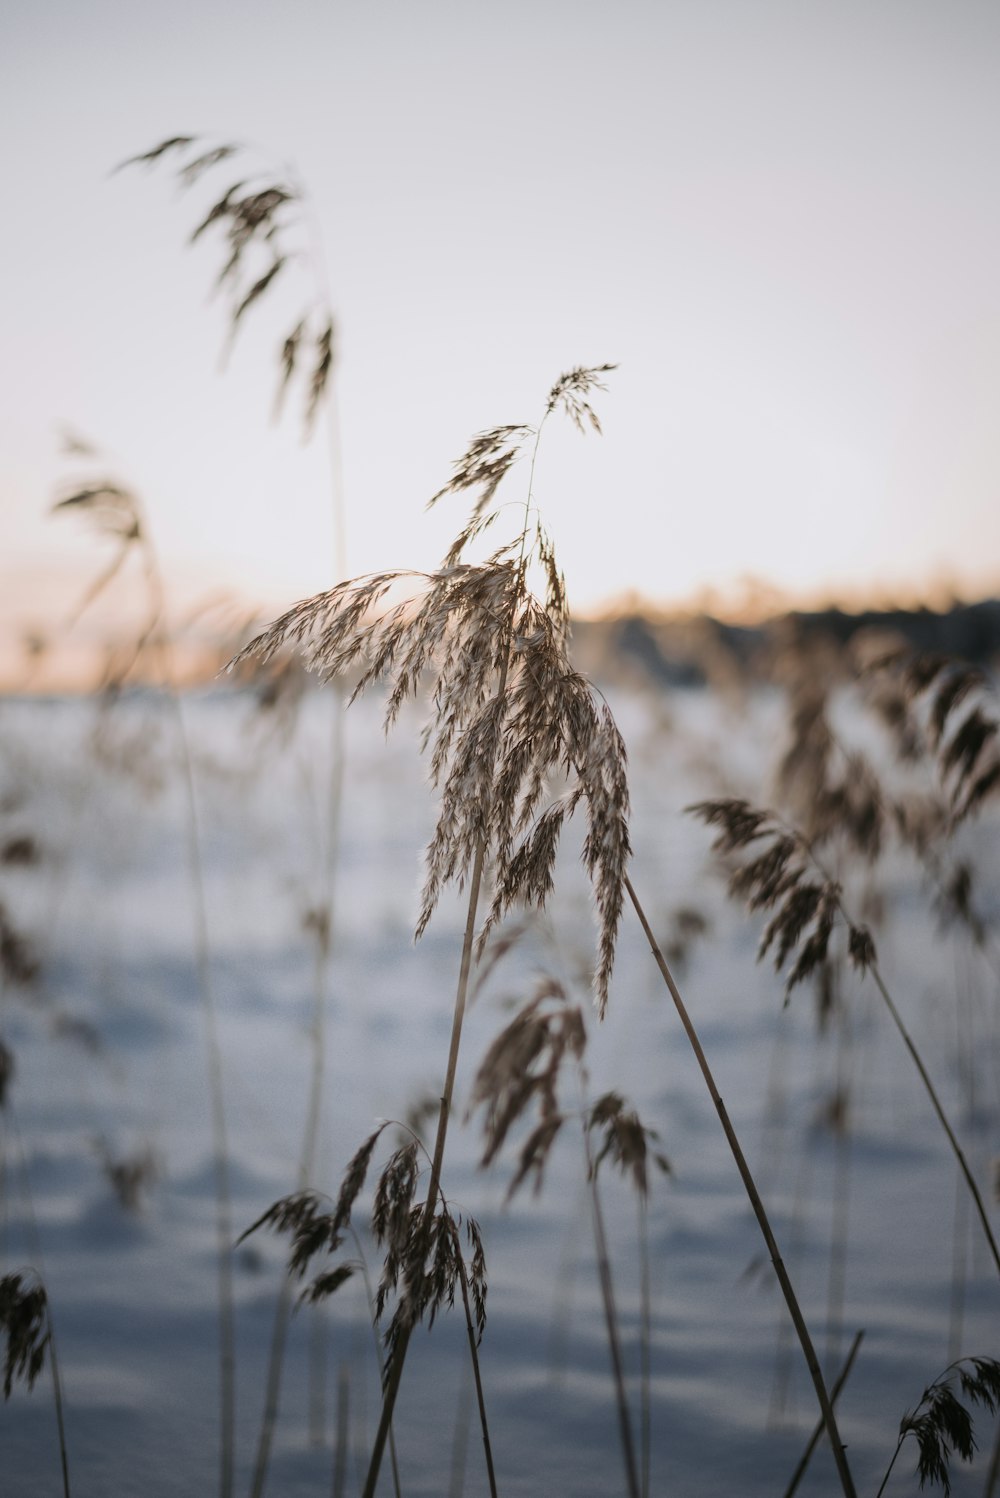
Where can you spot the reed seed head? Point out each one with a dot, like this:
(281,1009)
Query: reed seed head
(517,739)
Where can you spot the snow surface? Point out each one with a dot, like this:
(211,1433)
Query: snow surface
(110,1049)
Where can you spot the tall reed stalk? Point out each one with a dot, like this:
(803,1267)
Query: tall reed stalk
(260,219)
(508,713)
(611,1323)
(753,1195)
(117,511)
(505,625)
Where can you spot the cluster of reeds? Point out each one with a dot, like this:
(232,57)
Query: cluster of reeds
(519,742)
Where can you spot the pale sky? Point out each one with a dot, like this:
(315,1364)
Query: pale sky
(781,220)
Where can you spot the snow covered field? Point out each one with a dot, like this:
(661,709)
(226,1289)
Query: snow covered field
(110,1049)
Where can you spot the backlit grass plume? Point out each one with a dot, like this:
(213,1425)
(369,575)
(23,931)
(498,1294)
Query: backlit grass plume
(517,739)
(775,868)
(510,717)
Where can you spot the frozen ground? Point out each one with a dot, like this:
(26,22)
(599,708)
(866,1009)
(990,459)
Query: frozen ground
(111,1058)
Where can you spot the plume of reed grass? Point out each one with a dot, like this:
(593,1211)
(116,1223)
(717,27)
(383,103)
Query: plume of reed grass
(421,1271)
(942,1425)
(783,876)
(509,713)
(520,1073)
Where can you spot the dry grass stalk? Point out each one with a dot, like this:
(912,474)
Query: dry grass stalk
(116,511)
(264,224)
(783,875)
(817,1435)
(753,1196)
(509,715)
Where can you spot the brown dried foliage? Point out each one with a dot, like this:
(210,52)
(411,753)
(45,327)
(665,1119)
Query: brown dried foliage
(423,1263)
(782,877)
(948,710)
(423,1268)
(625,1141)
(25,1323)
(510,719)
(519,1074)
(259,221)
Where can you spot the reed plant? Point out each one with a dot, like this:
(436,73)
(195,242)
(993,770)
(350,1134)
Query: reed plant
(518,741)
(795,871)
(264,226)
(115,511)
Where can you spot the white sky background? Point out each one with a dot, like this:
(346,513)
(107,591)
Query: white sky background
(781,220)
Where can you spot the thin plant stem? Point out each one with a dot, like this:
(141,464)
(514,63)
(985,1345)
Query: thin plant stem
(939,1110)
(279,1332)
(837,1280)
(802,1331)
(993,1475)
(57,1397)
(154,636)
(460,1440)
(434,1184)
(370,1299)
(932,865)
(224,1215)
(34,1239)
(341,1443)
(817,1434)
(391,1389)
(310,1136)
(611,1322)
(317,1366)
(888,1471)
(645,1346)
(220,1148)
(324,935)
(477,1376)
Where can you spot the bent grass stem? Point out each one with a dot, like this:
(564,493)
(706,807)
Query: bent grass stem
(939,1110)
(611,1322)
(787,1290)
